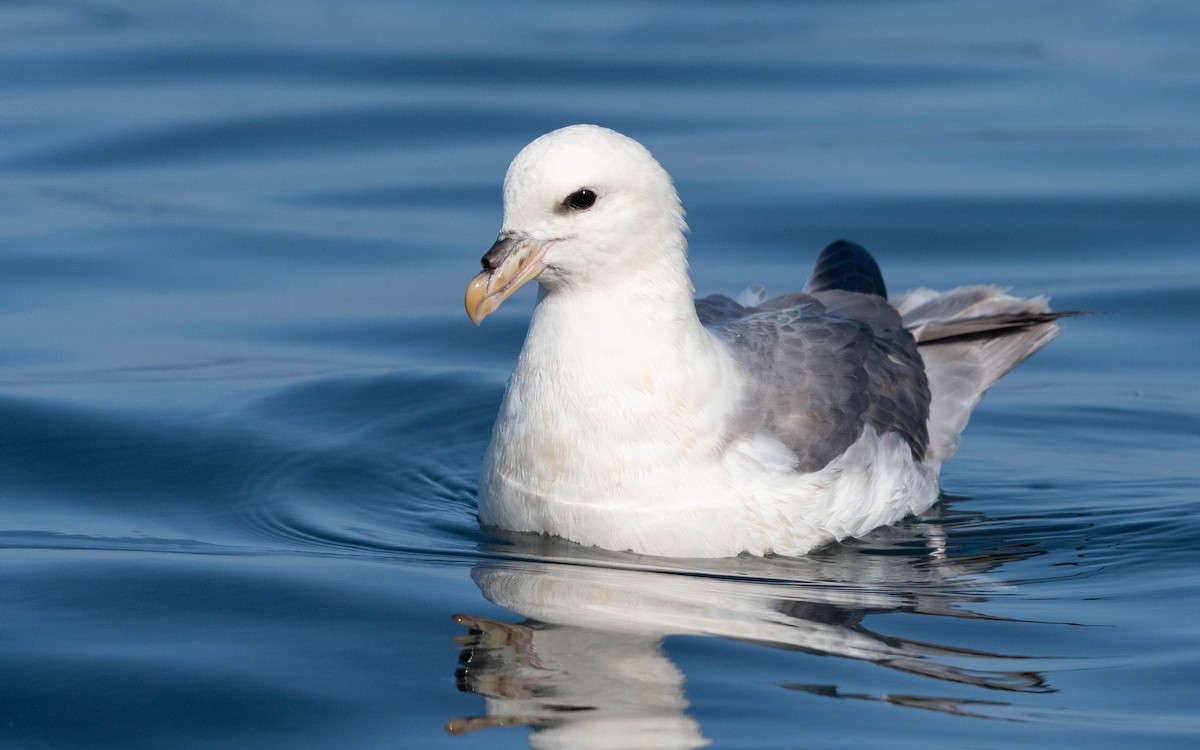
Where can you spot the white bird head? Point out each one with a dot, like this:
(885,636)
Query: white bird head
(582,205)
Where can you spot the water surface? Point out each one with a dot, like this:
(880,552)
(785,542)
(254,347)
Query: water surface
(242,413)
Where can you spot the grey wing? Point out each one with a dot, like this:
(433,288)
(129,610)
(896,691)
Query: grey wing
(900,395)
(823,366)
(717,308)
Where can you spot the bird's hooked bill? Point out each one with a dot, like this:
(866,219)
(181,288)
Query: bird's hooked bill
(514,259)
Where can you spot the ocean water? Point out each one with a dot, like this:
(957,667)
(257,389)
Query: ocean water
(242,412)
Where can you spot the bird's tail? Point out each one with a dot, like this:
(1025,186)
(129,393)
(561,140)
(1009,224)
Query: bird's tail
(970,337)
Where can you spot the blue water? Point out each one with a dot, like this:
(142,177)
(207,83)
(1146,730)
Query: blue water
(242,412)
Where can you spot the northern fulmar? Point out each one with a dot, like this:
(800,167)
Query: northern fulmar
(639,418)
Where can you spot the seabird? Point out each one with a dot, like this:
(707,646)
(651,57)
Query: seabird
(639,418)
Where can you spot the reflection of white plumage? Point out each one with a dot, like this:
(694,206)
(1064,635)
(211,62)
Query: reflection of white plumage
(588,668)
(641,419)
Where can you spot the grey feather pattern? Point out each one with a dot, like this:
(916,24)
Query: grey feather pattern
(823,366)
(969,338)
(828,361)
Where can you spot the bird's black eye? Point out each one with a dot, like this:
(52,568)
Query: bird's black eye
(580,200)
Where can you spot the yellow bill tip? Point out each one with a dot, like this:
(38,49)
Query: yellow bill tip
(479,305)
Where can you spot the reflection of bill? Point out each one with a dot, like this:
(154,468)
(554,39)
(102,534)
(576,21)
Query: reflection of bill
(587,668)
(577,687)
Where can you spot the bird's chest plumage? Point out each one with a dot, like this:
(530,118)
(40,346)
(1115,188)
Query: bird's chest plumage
(601,418)
(590,418)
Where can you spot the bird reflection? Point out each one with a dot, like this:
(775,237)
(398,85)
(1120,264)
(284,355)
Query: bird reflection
(587,668)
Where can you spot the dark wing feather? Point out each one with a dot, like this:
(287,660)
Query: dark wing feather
(849,267)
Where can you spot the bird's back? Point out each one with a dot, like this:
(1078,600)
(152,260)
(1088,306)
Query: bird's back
(826,362)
